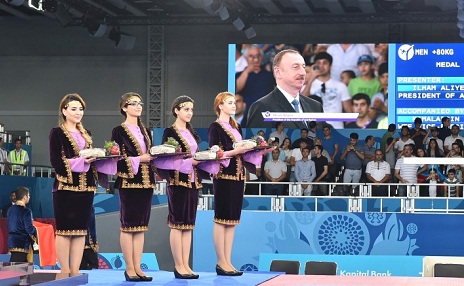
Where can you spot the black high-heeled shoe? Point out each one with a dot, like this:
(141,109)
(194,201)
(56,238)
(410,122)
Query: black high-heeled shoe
(183,276)
(222,272)
(135,278)
(238,273)
(195,276)
(145,278)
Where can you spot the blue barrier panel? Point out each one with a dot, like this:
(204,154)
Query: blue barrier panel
(330,233)
(354,265)
(388,205)
(256,203)
(309,204)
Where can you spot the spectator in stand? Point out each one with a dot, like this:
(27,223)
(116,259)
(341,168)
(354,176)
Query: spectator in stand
(275,171)
(452,190)
(304,137)
(254,81)
(345,57)
(455,152)
(286,148)
(279,133)
(417,133)
(369,154)
(4,168)
(407,173)
(378,172)
(275,142)
(312,131)
(390,157)
(452,138)
(361,103)
(346,76)
(432,179)
(6,207)
(403,141)
(19,158)
(334,94)
(331,146)
(366,83)
(379,102)
(445,130)
(423,176)
(434,130)
(322,169)
(390,132)
(305,172)
(297,154)
(353,156)
(240,60)
(240,108)
(318,141)
(433,149)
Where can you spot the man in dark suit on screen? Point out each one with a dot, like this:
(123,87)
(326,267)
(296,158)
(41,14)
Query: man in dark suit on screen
(289,72)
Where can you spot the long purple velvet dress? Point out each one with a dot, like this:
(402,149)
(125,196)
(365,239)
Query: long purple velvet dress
(229,182)
(75,182)
(136,180)
(183,185)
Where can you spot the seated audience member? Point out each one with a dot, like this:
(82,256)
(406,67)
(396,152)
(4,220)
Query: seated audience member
(455,152)
(275,171)
(274,141)
(305,172)
(452,190)
(361,105)
(452,138)
(322,169)
(433,149)
(378,172)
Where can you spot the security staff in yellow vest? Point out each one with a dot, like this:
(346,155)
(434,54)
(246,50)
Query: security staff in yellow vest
(20,158)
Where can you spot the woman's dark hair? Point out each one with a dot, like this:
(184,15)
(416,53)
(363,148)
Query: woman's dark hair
(178,104)
(436,150)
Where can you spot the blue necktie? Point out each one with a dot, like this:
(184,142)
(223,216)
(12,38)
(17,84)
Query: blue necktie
(295,105)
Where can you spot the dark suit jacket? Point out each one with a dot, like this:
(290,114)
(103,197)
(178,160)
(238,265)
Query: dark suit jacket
(275,101)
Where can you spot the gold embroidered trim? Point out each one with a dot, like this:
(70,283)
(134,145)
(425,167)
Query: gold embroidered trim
(67,187)
(71,140)
(71,232)
(17,249)
(181,226)
(226,221)
(239,174)
(134,228)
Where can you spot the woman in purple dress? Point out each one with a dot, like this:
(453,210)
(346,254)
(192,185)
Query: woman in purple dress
(229,182)
(75,183)
(183,185)
(135,182)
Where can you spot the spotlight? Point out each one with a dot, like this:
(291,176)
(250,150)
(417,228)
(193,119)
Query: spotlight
(95,28)
(250,32)
(238,23)
(16,2)
(223,13)
(122,40)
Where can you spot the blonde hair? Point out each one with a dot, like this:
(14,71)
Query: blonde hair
(62,118)
(220,98)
